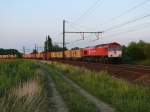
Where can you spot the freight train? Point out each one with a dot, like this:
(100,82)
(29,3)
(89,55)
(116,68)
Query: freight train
(8,56)
(103,52)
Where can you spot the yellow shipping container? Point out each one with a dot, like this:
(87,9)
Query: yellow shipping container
(53,55)
(59,55)
(67,54)
(49,55)
(38,55)
(76,53)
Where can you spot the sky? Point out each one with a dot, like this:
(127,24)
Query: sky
(27,22)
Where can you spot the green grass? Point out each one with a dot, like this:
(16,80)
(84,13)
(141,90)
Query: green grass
(14,72)
(24,87)
(125,97)
(143,62)
(75,102)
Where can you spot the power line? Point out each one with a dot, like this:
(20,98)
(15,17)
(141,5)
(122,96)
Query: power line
(81,40)
(131,9)
(88,10)
(125,12)
(126,23)
(144,26)
(73,42)
(73,26)
(129,31)
(117,17)
(134,26)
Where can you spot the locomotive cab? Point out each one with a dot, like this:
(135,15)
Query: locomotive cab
(114,50)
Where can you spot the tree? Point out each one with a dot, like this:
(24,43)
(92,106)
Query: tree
(10,52)
(147,51)
(135,50)
(48,46)
(75,48)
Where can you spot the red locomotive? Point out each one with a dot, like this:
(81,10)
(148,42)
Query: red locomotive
(104,50)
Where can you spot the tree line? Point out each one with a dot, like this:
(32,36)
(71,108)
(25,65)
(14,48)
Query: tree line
(136,51)
(9,52)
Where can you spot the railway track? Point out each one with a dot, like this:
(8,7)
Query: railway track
(133,73)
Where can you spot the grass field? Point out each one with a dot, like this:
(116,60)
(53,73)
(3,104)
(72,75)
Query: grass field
(23,87)
(125,97)
(15,72)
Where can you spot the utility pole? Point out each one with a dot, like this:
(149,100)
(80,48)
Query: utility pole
(35,50)
(35,47)
(64,39)
(46,47)
(83,33)
(24,50)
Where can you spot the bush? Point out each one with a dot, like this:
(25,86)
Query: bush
(136,52)
(147,51)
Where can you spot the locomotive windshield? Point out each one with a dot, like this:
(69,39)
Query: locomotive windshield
(115,49)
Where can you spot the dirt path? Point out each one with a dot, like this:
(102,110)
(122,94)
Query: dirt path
(56,98)
(101,106)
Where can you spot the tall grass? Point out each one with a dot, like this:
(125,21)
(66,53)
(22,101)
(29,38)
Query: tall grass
(14,72)
(125,97)
(25,86)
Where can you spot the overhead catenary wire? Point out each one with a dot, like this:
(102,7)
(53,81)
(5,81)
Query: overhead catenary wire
(139,27)
(118,26)
(75,41)
(85,13)
(78,40)
(124,13)
(123,24)
(129,27)
(88,10)
(57,35)
(128,31)
(126,23)
(131,9)
(134,28)
(73,26)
